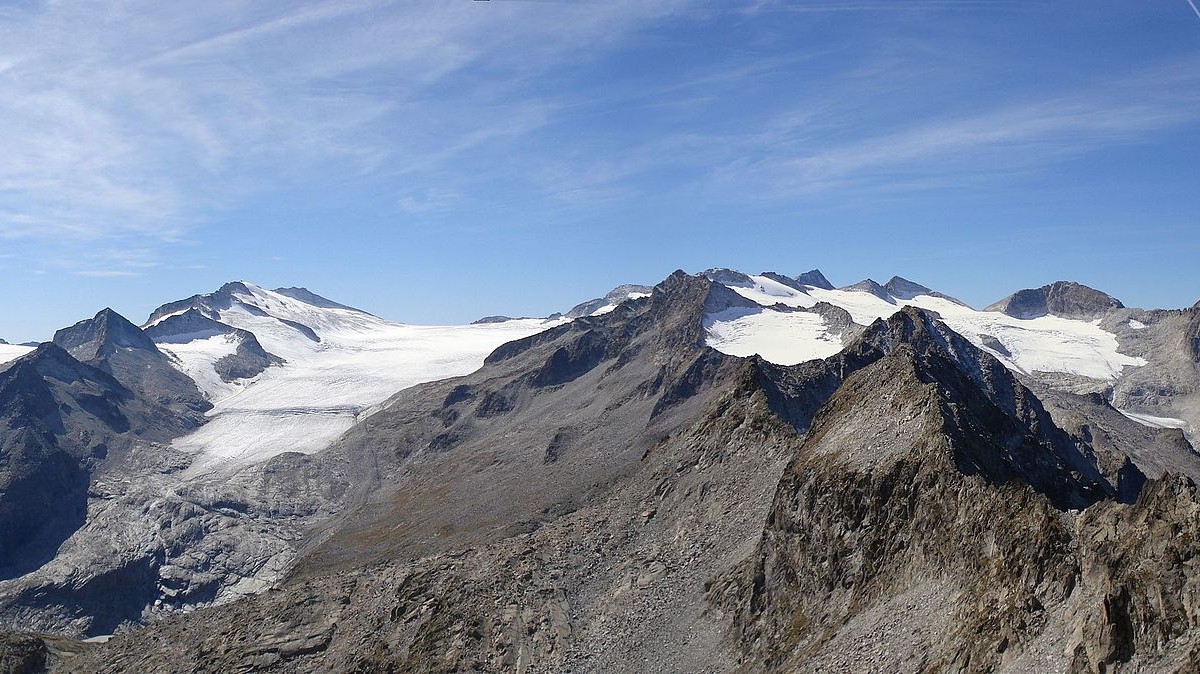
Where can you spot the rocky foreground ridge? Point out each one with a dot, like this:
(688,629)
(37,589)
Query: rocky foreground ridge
(613,495)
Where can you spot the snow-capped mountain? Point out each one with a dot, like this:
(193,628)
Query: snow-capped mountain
(338,440)
(1063,335)
(289,370)
(611,494)
(784,326)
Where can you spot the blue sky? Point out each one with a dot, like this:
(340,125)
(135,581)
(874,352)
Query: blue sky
(438,161)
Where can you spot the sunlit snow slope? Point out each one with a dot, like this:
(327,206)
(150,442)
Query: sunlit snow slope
(1044,344)
(338,362)
(11,352)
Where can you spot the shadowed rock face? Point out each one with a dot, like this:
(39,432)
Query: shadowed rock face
(919,527)
(1065,299)
(111,343)
(57,417)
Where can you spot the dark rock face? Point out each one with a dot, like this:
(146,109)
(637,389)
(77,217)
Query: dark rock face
(815,279)
(1065,299)
(923,515)
(59,416)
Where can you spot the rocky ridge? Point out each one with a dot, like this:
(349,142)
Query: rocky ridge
(916,483)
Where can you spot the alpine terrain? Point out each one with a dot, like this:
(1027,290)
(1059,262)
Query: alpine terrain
(722,472)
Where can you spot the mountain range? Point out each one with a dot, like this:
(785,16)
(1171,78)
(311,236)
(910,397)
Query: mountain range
(722,472)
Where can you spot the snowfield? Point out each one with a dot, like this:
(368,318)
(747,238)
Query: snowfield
(789,338)
(355,362)
(1045,344)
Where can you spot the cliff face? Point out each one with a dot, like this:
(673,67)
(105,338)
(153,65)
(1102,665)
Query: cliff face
(922,526)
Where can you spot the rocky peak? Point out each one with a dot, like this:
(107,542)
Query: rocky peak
(111,343)
(102,335)
(814,278)
(208,304)
(615,296)
(1065,299)
(784,280)
(870,286)
(729,277)
(233,288)
(902,288)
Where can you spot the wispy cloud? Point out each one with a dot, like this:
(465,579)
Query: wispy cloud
(1195,9)
(131,120)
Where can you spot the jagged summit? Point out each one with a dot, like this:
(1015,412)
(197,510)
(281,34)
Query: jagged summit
(815,278)
(1065,299)
(101,336)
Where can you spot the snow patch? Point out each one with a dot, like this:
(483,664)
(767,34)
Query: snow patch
(197,359)
(785,338)
(1156,422)
(1137,325)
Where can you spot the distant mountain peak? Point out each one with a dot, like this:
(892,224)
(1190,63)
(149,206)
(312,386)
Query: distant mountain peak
(256,300)
(728,277)
(309,297)
(1065,299)
(904,289)
(602,304)
(872,287)
(815,278)
(235,288)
